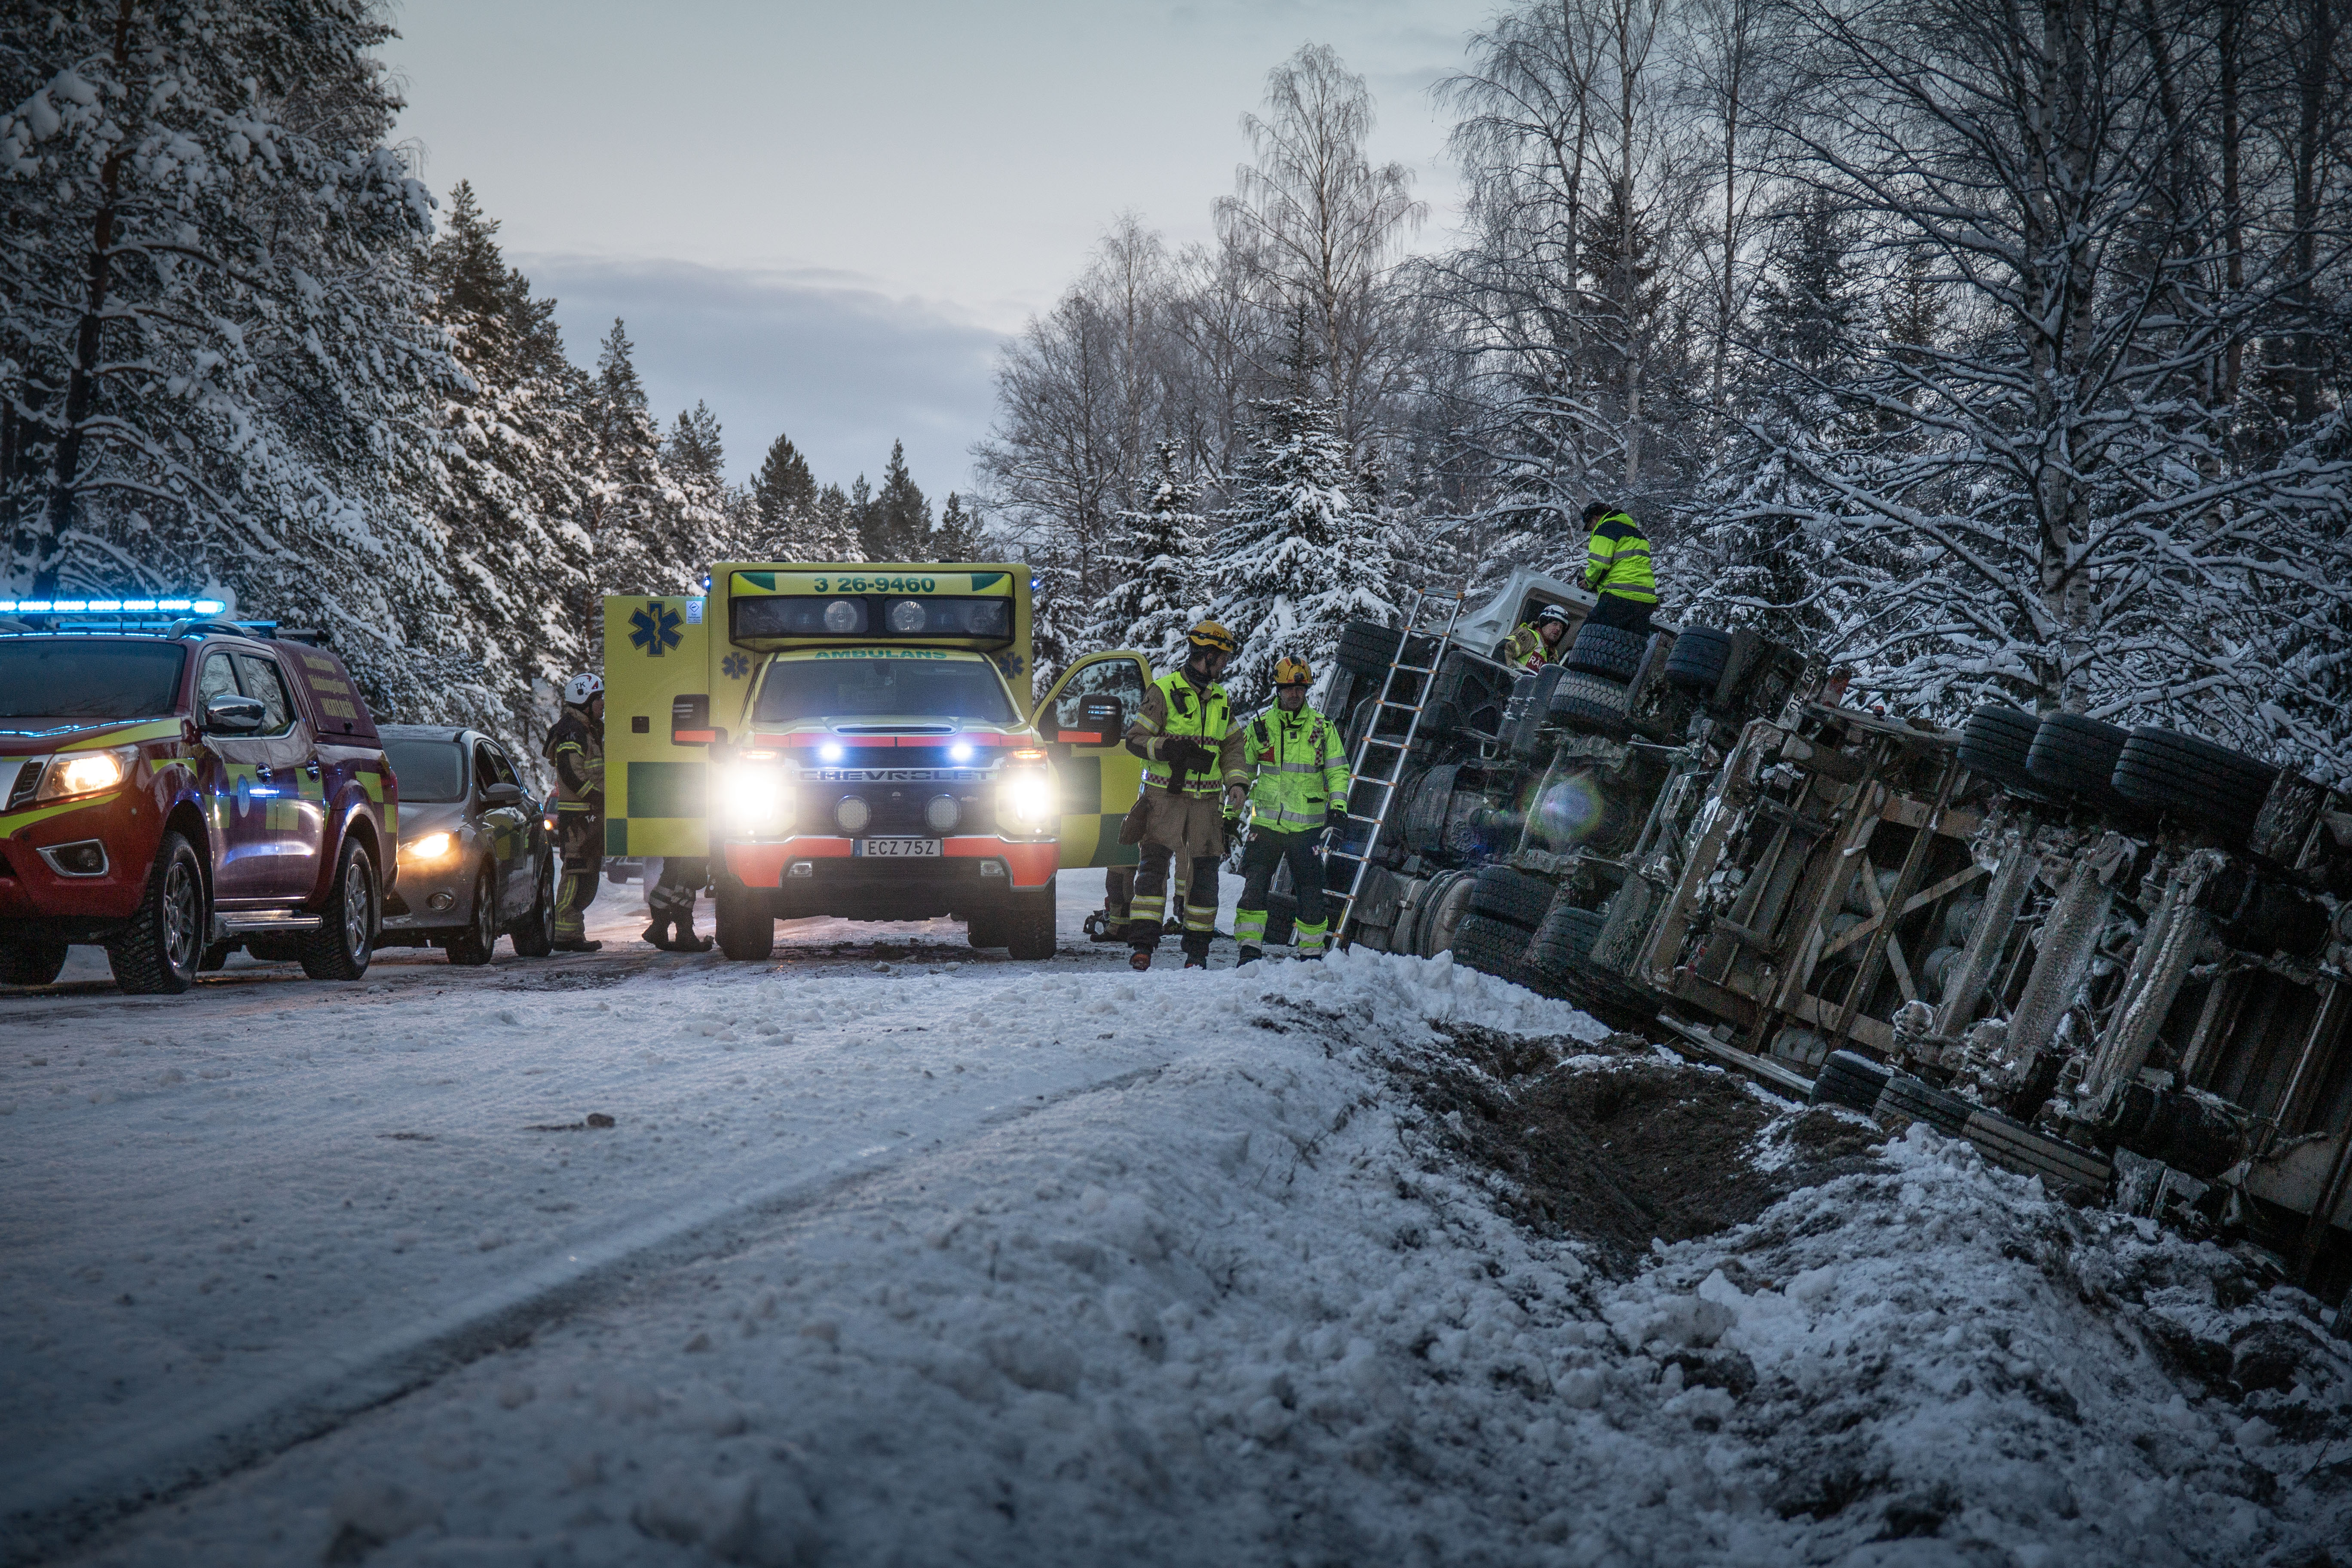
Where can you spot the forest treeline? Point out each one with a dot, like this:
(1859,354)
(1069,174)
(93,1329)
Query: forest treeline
(1986,352)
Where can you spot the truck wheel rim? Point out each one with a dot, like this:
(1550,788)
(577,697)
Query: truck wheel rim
(179,915)
(355,910)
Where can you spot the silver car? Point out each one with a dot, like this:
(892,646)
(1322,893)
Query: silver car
(476,859)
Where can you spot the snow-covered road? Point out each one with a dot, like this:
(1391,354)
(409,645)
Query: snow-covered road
(965,1260)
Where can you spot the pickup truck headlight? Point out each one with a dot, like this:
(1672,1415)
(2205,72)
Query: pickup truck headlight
(756,798)
(87,773)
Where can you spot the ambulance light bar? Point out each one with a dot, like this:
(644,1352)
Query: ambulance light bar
(110,606)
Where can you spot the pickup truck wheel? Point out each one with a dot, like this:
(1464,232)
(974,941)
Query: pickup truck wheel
(158,952)
(747,929)
(1029,925)
(345,940)
(473,946)
(534,934)
(33,963)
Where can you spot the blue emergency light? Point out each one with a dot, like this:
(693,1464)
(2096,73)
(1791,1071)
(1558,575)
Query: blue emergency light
(112,606)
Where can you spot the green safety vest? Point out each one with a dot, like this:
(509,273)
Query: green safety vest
(1299,769)
(1617,560)
(1206,718)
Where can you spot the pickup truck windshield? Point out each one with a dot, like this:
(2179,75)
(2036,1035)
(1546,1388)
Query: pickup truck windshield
(428,770)
(800,690)
(75,678)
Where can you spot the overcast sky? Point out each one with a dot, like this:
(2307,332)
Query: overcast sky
(824,218)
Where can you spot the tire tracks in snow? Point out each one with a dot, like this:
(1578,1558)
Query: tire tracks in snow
(51,1506)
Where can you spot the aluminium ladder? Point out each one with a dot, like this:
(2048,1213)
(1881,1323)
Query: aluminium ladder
(1399,750)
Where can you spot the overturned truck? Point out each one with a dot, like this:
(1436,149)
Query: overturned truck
(2113,959)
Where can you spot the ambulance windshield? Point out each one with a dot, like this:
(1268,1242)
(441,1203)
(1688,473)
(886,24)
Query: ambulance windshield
(902,688)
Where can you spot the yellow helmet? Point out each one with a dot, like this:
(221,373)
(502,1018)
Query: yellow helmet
(1209,633)
(1292,672)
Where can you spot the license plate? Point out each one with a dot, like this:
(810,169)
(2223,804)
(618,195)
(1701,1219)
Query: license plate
(884,848)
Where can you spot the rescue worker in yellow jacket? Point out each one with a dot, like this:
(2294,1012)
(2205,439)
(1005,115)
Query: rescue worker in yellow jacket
(1617,568)
(1300,788)
(576,747)
(1184,730)
(1538,642)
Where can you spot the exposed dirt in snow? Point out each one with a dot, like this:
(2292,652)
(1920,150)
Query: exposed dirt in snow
(1617,1146)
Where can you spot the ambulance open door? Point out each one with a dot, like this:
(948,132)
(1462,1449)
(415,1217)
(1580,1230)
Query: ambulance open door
(1099,775)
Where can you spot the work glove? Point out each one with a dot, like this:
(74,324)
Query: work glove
(1337,816)
(1186,755)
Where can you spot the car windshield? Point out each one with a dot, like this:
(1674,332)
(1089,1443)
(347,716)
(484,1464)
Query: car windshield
(428,770)
(902,688)
(68,677)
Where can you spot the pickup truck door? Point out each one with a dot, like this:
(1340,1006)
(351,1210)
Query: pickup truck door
(1099,781)
(228,767)
(289,789)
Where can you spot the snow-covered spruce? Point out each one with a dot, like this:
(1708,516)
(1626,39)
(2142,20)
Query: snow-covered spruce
(1156,589)
(1231,1312)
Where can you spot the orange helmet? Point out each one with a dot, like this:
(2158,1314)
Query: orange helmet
(1292,672)
(1209,633)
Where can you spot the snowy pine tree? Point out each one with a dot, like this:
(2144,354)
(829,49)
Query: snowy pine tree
(1298,556)
(700,516)
(1155,570)
(959,535)
(632,548)
(897,524)
(784,496)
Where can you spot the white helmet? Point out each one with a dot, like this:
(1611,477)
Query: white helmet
(581,687)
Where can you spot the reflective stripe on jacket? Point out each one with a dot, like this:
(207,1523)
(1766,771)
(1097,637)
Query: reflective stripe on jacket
(1174,709)
(1617,560)
(576,747)
(1300,769)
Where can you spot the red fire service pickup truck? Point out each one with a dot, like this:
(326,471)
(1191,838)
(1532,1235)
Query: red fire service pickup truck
(172,786)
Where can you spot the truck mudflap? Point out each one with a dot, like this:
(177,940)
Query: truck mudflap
(1029,863)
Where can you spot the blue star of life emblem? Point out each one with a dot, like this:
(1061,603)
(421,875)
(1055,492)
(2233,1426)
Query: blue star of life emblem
(654,629)
(735,667)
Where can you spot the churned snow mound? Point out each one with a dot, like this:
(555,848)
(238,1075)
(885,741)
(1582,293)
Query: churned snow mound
(1245,1306)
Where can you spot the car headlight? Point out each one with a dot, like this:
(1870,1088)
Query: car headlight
(757,798)
(432,847)
(1027,799)
(87,773)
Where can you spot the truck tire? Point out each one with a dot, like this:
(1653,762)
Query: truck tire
(1698,659)
(1914,1100)
(985,930)
(1565,938)
(747,928)
(1590,704)
(2074,755)
(534,934)
(1996,742)
(1612,653)
(1850,1080)
(1511,896)
(1492,947)
(2016,1147)
(2197,781)
(344,942)
(1030,931)
(474,945)
(156,955)
(35,960)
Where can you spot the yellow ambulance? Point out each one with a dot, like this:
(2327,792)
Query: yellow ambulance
(853,741)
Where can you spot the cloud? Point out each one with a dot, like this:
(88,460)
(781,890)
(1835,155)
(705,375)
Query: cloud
(820,356)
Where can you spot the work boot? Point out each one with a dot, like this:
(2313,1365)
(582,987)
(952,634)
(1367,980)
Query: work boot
(687,942)
(1141,959)
(1200,963)
(1249,956)
(659,932)
(578,945)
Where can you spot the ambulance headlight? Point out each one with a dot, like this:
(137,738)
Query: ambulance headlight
(757,798)
(1027,800)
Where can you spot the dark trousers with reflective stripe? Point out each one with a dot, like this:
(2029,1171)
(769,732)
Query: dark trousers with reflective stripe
(1624,614)
(580,835)
(1268,849)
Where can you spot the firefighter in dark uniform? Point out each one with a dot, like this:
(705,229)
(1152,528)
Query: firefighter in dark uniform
(1617,568)
(1192,753)
(670,901)
(1300,789)
(576,747)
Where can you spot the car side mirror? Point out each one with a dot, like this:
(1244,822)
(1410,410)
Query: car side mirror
(230,714)
(1102,715)
(502,794)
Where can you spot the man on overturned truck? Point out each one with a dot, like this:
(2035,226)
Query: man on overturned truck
(1184,730)
(1299,791)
